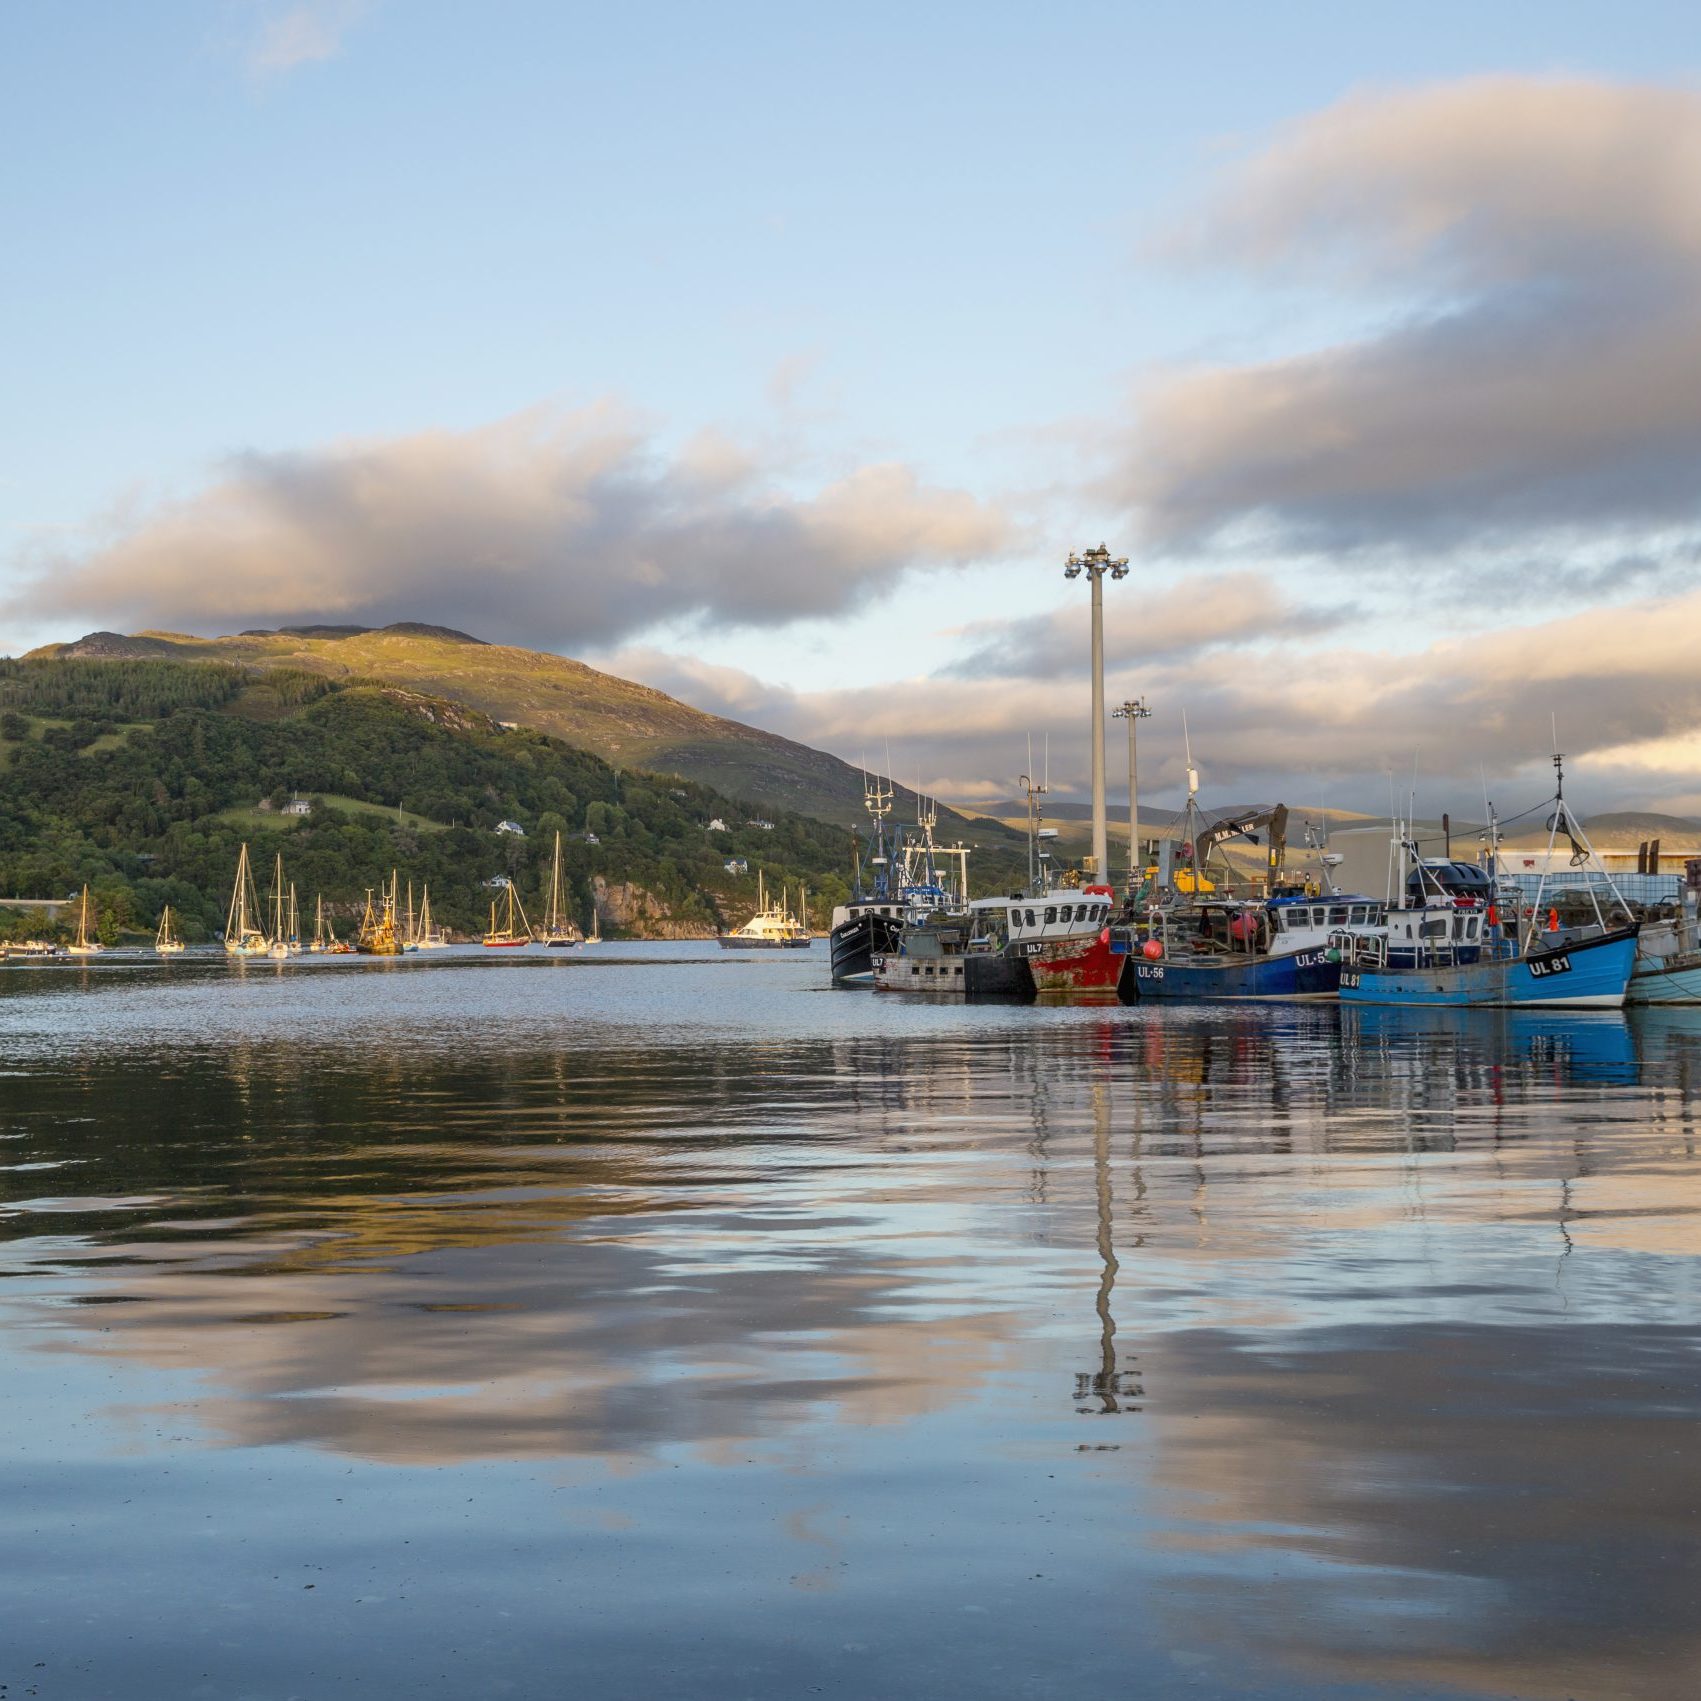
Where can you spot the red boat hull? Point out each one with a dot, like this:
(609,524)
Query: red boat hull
(1077,965)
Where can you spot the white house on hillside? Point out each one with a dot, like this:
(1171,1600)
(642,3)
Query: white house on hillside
(513,827)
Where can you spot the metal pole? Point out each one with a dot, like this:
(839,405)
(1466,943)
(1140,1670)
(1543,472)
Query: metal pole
(1096,563)
(1101,851)
(1133,711)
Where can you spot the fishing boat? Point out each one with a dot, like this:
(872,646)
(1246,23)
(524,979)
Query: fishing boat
(378,935)
(559,928)
(1668,962)
(871,923)
(773,927)
(902,881)
(166,942)
(85,944)
(511,929)
(1454,944)
(428,938)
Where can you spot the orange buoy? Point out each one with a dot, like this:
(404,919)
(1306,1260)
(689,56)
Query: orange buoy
(1152,950)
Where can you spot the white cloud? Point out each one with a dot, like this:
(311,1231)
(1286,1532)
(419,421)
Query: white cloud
(553,529)
(1531,248)
(302,34)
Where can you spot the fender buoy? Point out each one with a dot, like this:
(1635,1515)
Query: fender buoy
(1152,950)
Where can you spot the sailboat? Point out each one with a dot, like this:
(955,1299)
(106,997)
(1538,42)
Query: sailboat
(410,939)
(280,930)
(242,937)
(428,938)
(166,942)
(378,936)
(318,941)
(558,926)
(513,928)
(83,945)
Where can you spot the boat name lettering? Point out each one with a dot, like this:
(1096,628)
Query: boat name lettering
(1541,968)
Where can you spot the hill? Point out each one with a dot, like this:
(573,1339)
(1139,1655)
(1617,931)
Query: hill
(141,777)
(628,725)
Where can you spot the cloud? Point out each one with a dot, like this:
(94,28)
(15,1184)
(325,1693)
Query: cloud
(548,529)
(1272,721)
(1204,612)
(1530,251)
(303,34)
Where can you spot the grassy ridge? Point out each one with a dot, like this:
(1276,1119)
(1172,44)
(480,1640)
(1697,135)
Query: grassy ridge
(142,777)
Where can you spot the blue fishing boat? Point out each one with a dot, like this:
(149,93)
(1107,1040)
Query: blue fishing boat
(1275,941)
(1452,942)
(1668,963)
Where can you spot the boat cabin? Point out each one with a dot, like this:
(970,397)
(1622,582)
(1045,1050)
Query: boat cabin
(1069,913)
(1301,923)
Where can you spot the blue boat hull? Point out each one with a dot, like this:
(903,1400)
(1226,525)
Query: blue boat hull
(1303,974)
(1653,983)
(1592,975)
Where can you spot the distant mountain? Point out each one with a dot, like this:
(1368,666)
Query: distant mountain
(628,725)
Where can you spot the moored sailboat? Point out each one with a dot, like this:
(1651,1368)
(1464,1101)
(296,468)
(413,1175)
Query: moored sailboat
(166,941)
(85,944)
(243,937)
(428,938)
(512,929)
(559,928)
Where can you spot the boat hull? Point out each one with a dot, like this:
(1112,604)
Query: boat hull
(1591,975)
(1297,974)
(731,942)
(1090,964)
(857,941)
(1668,980)
(894,972)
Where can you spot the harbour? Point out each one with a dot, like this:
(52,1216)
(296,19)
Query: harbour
(427,1321)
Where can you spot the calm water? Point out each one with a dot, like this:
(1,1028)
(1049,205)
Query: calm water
(658,1324)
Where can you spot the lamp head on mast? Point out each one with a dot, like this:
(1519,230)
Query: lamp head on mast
(1095,563)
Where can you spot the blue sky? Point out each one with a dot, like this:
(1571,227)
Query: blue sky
(883,236)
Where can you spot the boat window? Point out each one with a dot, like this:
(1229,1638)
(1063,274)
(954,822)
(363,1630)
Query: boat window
(1471,926)
(1358,916)
(1050,914)
(1436,929)
(1337,915)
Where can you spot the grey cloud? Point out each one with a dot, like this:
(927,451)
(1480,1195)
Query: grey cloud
(545,529)
(1536,247)
(1294,720)
(1200,613)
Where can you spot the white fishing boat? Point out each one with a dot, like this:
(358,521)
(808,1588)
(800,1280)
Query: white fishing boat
(773,927)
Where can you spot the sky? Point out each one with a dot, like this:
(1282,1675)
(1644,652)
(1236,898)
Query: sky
(777,357)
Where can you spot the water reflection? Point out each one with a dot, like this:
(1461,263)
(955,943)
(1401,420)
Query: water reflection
(1394,1313)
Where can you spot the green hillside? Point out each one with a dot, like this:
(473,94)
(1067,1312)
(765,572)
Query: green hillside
(627,725)
(142,777)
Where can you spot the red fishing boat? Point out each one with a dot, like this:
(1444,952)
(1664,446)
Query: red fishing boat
(1066,939)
